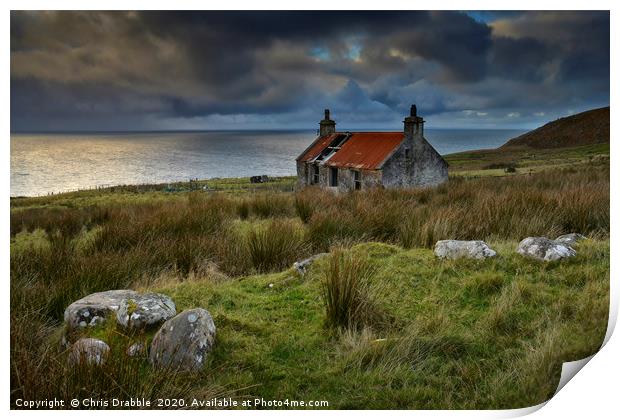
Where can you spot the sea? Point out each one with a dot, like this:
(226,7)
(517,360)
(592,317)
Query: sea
(46,163)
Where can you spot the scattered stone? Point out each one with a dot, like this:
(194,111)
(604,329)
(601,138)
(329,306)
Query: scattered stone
(271,285)
(303,265)
(136,349)
(145,310)
(570,239)
(453,249)
(184,341)
(544,249)
(90,351)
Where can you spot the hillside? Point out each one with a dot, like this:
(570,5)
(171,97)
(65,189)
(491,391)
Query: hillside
(586,128)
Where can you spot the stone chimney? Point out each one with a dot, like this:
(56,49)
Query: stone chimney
(327,126)
(414,125)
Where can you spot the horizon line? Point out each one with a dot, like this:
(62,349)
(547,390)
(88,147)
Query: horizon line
(245,129)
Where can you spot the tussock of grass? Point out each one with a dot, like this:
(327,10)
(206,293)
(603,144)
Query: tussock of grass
(267,205)
(276,246)
(503,316)
(304,206)
(485,284)
(243,209)
(349,293)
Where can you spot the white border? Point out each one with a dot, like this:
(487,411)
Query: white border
(593,394)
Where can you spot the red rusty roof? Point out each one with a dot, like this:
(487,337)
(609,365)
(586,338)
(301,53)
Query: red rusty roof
(366,150)
(317,147)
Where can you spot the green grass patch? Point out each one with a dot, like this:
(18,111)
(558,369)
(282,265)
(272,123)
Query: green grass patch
(458,329)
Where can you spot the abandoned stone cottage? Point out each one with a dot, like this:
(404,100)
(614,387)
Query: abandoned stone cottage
(353,161)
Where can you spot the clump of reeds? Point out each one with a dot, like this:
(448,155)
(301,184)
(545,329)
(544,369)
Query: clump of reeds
(270,204)
(348,293)
(243,209)
(304,207)
(275,246)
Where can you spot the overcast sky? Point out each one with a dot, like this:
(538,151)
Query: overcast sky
(248,70)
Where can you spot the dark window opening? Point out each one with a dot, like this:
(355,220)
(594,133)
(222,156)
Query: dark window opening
(357,180)
(334,146)
(407,153)
(333,177)
(315,174)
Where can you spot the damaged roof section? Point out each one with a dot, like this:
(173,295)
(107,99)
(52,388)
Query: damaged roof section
(365,150)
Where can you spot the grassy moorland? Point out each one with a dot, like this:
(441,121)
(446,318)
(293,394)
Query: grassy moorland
(524,160)
(379,323)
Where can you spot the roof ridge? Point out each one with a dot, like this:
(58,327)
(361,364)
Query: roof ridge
(370,132)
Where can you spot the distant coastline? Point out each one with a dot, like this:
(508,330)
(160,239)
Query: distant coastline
(62,162)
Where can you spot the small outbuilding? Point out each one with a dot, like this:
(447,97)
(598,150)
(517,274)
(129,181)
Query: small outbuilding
(347,161)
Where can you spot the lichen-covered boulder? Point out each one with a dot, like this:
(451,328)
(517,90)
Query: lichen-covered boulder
(183,342)
(89,351)
(95,308)
(303,265)
(131,308)
(570,239)
(453,249)
(544,249)
(145,310)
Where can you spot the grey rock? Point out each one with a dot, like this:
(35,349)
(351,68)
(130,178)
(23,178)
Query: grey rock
(88,351)
(453,249)
(184,342)
(570,239)
(303,265)
(136,349)
(131,308)
(95,308)
(145,310)
(544,249)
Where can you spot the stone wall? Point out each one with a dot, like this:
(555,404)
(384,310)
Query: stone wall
(302,174)
(429,168)
(397,170)
(372,179)
(424,167)
(346,179)
(369,179)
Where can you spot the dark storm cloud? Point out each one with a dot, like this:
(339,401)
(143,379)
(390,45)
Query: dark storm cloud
(520,58)
(454,40)
(578,42)
(125,70)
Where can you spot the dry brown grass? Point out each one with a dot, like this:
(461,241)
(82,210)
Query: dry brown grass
(546,204)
